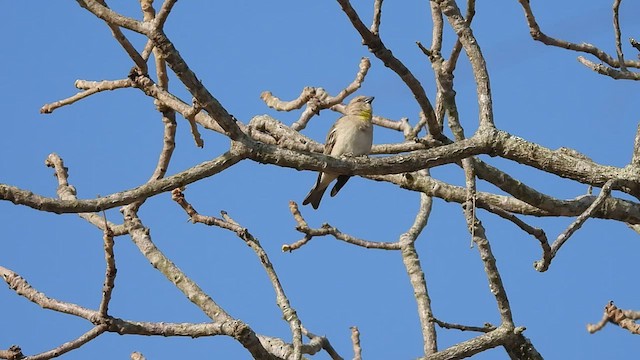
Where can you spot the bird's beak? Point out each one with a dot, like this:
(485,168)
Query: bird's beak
(369,99)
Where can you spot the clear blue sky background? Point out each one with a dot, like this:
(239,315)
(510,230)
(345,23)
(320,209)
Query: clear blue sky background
(238,49)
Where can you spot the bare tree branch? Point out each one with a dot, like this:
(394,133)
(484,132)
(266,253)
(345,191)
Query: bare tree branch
(110,272)
(316,99)
(412,264)
(90,89)
(142,239)
(622,318)
(471,47)
(377,47)
(204,170)
(288,312)
(268,141)
(486,328)
(327,229)
(610,72)
(355,340)
(538,35)
(543,265)
(616,30)
(377,14)
(71,345)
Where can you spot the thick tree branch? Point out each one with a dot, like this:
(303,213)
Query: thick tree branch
(172,57)
(494,142)
(198,172)
(142,239)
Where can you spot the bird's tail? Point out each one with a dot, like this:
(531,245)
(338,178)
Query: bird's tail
(314,196)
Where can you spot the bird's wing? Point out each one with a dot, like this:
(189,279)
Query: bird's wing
(331,139)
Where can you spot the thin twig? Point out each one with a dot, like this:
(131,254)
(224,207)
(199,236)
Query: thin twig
(316,98)
(538,35)
(18,284)
(616,29)
(533,231)
(377,13)
(445,325)
(543,265)
(71,345)
(68,192)
(355,341)
(91,88)
(126,44)
(634,43)
(324,343)
(191,118)
(110,271)
(614,315)
(327,229)
(608,71)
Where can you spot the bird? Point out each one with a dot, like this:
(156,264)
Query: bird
(350,135)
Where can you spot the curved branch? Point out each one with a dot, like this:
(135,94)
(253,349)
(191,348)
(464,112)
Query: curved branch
(71,345)
(538,35)
(377,47)
(288,312)
(327,229)
(59,206)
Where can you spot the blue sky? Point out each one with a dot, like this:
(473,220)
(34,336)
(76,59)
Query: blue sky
(111,140)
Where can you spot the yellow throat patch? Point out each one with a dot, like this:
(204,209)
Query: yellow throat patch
(366,114)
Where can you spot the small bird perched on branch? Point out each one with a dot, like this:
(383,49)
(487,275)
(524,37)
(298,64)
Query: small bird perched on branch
(351,135)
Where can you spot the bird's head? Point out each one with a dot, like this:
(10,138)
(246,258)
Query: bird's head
(360,106)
